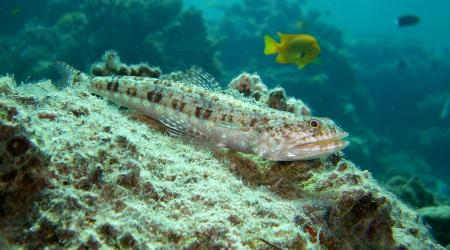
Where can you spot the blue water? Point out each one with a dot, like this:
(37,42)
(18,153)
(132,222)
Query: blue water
(376,18)
(386,85)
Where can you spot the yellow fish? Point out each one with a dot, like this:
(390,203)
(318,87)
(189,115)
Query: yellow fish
(298,49)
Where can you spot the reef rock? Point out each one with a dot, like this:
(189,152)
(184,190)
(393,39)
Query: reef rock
(439,219)
(411,191)
(251,85)
(111,65)
(100,178)
(23,165)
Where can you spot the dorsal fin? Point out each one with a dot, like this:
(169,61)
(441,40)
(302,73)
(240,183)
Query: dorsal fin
(284,37)
(199,77)
(70,75)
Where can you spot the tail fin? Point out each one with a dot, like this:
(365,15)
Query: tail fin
(271,46)
(70,75)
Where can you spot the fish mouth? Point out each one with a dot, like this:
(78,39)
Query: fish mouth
(324,146)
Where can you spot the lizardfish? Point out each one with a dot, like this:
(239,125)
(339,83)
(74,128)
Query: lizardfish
(193,107)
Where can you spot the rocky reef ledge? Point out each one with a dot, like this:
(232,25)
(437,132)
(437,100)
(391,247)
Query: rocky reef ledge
(78,172)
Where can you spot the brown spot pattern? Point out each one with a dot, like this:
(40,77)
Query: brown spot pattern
(198,111)
(158,97)
(174,104)
(265,120)
(115,86)
(207,114)
(150,95)
(182,104)
(132,91)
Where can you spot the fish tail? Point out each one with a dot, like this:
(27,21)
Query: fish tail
(69,74)
(271,46)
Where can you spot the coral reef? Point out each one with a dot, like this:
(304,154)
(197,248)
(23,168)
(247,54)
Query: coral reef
(186,39)
(114,182)
(62,30)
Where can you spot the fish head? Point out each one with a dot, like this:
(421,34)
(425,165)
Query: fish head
(303,139)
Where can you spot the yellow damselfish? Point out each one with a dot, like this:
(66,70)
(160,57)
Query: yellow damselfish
(298,49)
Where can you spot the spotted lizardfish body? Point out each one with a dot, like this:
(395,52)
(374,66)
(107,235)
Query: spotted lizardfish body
(191,107)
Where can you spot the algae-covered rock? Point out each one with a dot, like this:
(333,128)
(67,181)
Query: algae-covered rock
(111,65)
(251,85)
(113,181)
(23,164)
(411,191)
(439,219)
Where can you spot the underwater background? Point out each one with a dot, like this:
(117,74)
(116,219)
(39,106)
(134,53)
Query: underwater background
(388,86)
(385,84)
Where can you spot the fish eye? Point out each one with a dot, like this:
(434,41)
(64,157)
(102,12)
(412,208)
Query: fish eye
(314,123)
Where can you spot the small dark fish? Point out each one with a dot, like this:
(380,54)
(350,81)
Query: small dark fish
(407,20)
